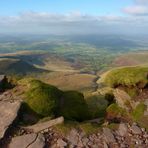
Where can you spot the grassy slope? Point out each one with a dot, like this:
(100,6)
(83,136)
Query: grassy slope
(72,81)
(128,76)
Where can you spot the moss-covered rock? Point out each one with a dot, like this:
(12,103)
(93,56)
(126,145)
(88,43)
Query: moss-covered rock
(138,112)
(42,98)
(97,106)
(114,113)
(47,100)
(73,106)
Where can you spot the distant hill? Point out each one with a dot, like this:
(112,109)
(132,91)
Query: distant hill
(112,42)
(43,60)
(131,59)
(17,66)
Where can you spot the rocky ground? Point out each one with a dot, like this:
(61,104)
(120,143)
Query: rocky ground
(126,136)
(44,135)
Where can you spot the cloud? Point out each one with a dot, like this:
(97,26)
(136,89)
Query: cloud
(140,8)
(136,10)
(141,2)
(71,23)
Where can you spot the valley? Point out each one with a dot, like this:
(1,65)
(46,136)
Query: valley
(63,88)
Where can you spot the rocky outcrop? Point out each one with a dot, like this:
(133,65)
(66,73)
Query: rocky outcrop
(8,114)
(123,99)
(45,125)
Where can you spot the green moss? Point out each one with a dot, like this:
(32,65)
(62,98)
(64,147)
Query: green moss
(139,117)
(132,91)
(138,111)
(73,106)
(116,113)
(127,76)
(114,108)
(66,127)
(97,106)
(143,122)
(89,128)
(42,98)
(46,100)
(113,126)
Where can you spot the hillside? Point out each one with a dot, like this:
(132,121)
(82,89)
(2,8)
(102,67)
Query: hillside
(131,59)
(17,67)
(126,76)
(103,119)
(41,59)
(65,73)
(129,88)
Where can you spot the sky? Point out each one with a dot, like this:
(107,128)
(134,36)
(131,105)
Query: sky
(74,16)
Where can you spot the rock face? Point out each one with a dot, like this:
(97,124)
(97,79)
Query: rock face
(28,141)
(8,113)
(122,99)
(45,125)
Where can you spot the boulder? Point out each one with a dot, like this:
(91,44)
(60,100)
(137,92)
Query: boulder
(22,141)
(109,137)
(44,125)
(8,113)
(123,129)
(28,141)
(39,142)
(135,129)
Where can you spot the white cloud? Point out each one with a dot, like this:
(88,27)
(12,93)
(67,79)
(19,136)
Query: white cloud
(136,10)
(76,22)
(140,7)
(142,2)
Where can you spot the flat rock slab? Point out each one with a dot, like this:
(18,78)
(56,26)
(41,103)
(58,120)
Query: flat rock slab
(45,125)
(38,143)
(28,141)
(8,113)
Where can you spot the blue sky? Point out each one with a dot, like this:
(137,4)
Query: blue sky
(74,16)
(93,7)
